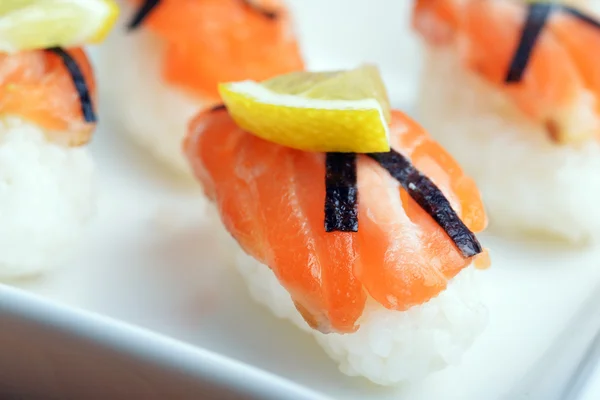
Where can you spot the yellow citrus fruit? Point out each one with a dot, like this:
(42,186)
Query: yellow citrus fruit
(39,24)
(339,111)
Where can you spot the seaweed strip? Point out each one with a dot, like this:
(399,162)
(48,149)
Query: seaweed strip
(579,15)
(430,199)
(218,107)
(142,14)
(537,16)
(149,6)
(268,14)
(341,193)
(87,108)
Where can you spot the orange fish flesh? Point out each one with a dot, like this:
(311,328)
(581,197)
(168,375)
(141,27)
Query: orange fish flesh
(37,87)
(212,41)
(270,198)
(560,87)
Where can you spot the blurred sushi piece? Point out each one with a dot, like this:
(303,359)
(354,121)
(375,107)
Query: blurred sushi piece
(512,91)
(47,117)
(46,171)
(166,58)
(363,251)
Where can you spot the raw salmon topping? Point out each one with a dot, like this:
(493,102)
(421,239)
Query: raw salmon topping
(558,85)
(212,41)
(38,87)
(270,198)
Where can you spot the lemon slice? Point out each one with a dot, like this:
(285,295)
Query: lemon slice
(338,111)
(38,24)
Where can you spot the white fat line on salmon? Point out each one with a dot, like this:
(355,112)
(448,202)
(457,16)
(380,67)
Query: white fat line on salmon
(431,199)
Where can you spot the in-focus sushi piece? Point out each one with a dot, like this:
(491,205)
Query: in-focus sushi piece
(47,116)
(167,64)
(512,91)
(371,253)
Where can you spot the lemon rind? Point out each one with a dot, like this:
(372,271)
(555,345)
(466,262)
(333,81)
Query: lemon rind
(262,95)
(105,14)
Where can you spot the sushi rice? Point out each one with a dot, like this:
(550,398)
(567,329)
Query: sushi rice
(484,130)
(155,115)
(390,347)
(46,198)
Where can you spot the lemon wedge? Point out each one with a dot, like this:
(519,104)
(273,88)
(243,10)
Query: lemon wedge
(39,24)
(338,111)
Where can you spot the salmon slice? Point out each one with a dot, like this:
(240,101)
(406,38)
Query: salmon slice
(405,257)
(556,89)
(37,87)
(578,39)
(212,41)
(271,199)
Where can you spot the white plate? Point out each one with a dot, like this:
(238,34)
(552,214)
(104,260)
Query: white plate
(53,352)
(148,261)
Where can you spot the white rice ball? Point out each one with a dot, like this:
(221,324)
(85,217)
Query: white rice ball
(46,198)
(154,114)
(529,184)
(390,347)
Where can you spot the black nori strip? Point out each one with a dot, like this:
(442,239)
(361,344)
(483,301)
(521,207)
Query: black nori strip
(87,108)
(341,193)
(430,198)
(537,15)
(579,15)
(142,14)
(218,107)
(149,6)
(268,14)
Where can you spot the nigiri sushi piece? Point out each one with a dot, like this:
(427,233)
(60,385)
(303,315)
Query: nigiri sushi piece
(46,171)
(47,118)
(167,64)
(512,91)
(386,291)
